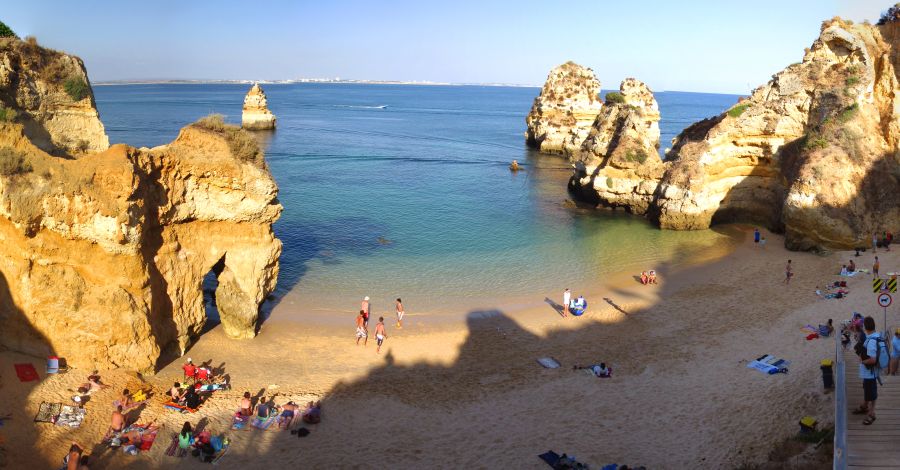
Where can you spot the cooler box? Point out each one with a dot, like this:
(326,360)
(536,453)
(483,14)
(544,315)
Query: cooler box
(52,365)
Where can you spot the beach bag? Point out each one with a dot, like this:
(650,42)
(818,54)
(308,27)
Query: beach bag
(882,358)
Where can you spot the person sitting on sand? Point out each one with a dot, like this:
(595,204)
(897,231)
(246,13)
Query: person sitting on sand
(265,408)
(829,327)
(246,405)
(74,456)
(125,400)
(651,277)
(644,278)
(192,398)
(851,268)
(117,422)
(177,393)
(288,411)
(313,413)
(186,436)
(844,271)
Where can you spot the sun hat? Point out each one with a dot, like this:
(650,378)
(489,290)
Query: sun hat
(367,298)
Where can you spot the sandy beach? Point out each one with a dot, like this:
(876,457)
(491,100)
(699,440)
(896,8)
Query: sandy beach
(471,394)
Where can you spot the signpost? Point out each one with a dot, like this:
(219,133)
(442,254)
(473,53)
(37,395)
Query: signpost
(885,301)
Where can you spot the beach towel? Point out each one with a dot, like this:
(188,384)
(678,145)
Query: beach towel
(812,336)
(71,416)
(239,421)
(550,457)
(769,364)
(147,440)
(26,372)
(173,446)
(263,423)
(180,408)
(850,273)
(549,362)
(48,412)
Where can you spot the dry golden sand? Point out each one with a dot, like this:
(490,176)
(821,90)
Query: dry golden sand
(472,395)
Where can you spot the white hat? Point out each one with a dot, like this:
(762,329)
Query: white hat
(367,298)
(189,360)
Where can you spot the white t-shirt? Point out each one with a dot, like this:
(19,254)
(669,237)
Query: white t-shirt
(567,296)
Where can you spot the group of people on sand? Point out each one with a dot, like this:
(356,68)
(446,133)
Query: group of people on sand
(267,407)
(572,306)
(362,323)
(758,239)
(648,277)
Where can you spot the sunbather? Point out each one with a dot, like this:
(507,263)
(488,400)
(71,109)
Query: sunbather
(117,422)
(313,413)
(264,409)
(651,277)
(191,398)
(74,456)
(600,370)
(246,405)
(177,393)
(644,278)
(288,411)
(125,400)
(186,436)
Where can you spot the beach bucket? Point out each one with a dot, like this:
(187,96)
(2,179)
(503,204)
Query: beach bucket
(52,365)
(807,425)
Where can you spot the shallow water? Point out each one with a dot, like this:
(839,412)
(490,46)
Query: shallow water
(403,191)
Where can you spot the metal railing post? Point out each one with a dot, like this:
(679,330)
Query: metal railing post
(840,407)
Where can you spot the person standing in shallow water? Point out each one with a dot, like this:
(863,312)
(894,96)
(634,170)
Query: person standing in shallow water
(788,272)
(380,333)
(399,313)
(567,297)
(364,307)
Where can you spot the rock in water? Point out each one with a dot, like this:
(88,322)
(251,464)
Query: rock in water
(812,153)
(256,115)
(564,111)
(103,257)
(618,163)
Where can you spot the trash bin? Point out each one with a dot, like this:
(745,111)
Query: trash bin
(827,366)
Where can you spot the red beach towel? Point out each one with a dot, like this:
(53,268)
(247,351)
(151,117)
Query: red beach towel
(26,372)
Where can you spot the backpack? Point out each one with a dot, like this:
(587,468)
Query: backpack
(882,358)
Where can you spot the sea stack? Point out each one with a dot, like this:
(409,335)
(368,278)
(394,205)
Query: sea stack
(618,163)
(813,153)
(562,114)
(104,255)
(256,115)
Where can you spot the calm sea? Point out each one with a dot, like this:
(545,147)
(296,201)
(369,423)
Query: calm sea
(403,191)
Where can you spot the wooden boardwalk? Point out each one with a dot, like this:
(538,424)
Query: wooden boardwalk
(876,446)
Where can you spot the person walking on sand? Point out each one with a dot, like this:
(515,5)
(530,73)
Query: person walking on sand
(364,306)
(567,297)
(875,267)
(788,272)
(875,242)
(399,313)
(380,334)
(361,332)
(756,236)
(867,371)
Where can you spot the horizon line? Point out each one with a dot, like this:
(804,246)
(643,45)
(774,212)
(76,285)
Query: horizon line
(347,81)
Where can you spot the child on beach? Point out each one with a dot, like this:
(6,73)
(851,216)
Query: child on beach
(380,334)
(399,313)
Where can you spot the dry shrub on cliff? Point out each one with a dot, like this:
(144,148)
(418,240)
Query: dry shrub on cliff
(7,114)
(13,162)
(242,144)
(76,88)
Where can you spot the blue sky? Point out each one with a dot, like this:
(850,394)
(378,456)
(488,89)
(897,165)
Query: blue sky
(712,46)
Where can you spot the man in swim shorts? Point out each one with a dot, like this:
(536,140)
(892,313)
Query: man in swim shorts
(380,334)
(361,329)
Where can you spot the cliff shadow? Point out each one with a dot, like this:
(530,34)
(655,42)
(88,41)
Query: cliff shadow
(27,346)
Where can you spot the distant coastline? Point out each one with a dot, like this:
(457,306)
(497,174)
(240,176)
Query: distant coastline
(300,80)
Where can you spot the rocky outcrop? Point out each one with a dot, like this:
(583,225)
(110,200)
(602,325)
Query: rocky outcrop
(562,114)
(105,255)
(618,164)
(813,153)
(256,115)
(49,93)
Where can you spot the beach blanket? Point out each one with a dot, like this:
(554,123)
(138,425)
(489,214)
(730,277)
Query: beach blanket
(549,362)
(850,274)
(239,421)
(180,408)
(48,412)
(71,416)
(263,423)
(147,440)
(769,364)
(550,457)
(26,372)
(173,446)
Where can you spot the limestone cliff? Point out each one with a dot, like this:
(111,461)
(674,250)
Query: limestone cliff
(104,255)
(813,153)
(618,164)
(564,111)
(256,114)
(49,93)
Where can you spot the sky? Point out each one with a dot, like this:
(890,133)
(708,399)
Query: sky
(704,46)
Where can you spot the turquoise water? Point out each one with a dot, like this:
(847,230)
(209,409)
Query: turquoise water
(403,191)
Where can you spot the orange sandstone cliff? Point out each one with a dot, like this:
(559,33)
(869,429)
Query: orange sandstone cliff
(104,249)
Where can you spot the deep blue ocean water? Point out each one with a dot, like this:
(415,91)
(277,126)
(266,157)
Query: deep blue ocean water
(403,191)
